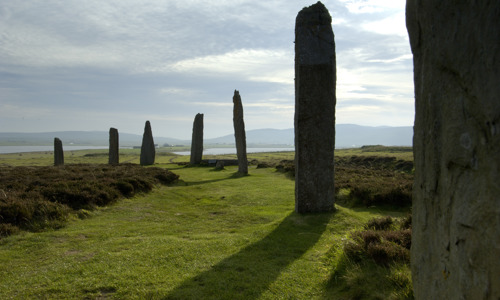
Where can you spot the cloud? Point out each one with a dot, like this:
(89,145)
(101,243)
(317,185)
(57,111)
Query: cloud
(268,65)
(86,65)
(372,6)
(394,24)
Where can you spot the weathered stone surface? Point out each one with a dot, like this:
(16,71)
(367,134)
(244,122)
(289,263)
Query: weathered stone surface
(58,152)
(114,157)
(456,202)
(197,140)
(239,134)
(148,150)
(315,84)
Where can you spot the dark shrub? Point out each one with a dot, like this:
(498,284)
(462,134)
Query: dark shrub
(382,223)
(34,198)
(368,237)
(166,177)
(125,188)
(380,242)
(8,229)
(361,195)
(400,237)
(406,222)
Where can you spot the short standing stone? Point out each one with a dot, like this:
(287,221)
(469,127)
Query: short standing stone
(197,140)
(113,147)
(58,152)
(148,146)
(315,80)
(455,249)
(239,134)
(219,165)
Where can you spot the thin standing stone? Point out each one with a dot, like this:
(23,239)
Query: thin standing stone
(148,146)
(239,134)
(58,152)
(197,140)
(113,147)
(315,80)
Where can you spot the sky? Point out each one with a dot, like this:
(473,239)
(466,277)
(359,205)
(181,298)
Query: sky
(91,65)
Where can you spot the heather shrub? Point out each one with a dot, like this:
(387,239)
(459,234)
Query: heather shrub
(34,198)
(382,223)
(371,180)
(380,241)
(7,229)
(377,258)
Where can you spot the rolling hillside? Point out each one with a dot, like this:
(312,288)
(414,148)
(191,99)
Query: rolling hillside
(347,135)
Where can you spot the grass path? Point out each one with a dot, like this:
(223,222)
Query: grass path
(213,235)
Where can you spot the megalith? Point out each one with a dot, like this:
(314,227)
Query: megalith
(456,199)
(58,152)
(315,99)
(113,147)
(197,140)
(239,134)
(148,146)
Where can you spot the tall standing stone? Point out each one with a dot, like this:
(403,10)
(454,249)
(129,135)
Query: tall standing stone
(456,200)
(315,80)
(58,152)
(113,147)
(148,146)
(239,134)
(197,140)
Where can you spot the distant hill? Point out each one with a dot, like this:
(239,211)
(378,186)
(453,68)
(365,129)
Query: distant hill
(347,135)
(84,138)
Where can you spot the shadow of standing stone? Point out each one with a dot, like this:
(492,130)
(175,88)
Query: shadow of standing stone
(197,140)
(58,152)
(113,147)
(249,273)
(148,146)
(239,134)
(315,80)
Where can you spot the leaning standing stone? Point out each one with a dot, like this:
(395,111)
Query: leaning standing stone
(148,146)
(315,80)
(58,152)
(197,140)
(239,134)
(113,146)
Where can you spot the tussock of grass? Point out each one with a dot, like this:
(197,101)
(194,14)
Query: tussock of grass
(34,198)
(376,258)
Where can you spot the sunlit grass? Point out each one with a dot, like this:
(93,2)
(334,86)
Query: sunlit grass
(212,235)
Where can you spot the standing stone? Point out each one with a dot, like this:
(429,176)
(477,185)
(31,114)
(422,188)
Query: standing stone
(315,80)
(58,152)
(239,134)
(113,147)
(148,146)
(219,165)
(456,200)
(197,140)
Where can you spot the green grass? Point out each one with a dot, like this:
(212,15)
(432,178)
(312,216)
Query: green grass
(212,235)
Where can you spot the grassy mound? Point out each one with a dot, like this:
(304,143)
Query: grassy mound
(33,198)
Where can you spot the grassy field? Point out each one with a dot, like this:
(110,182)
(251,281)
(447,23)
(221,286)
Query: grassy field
(211,235)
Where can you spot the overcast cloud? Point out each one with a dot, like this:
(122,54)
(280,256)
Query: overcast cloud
(93,64)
